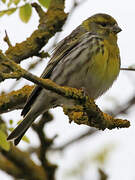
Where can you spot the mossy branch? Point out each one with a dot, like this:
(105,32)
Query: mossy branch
(15,99)
(85,112)
(49,23)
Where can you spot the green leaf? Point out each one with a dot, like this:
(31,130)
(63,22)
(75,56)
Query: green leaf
(16,1)
(25,12)
(45,3)
(9,3)
(10,121)
(4,1)
(10,129)
(26,139)
(2,13)
(4,144)
(8,12)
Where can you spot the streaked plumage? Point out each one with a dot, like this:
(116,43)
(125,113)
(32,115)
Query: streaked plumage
(87,58)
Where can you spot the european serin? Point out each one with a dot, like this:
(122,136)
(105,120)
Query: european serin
(87,58)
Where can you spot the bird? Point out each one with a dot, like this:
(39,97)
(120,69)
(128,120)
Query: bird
(87,58)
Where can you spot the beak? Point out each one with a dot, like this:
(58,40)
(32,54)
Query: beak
(116,29)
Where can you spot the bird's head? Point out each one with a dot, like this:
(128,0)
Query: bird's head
(102,24)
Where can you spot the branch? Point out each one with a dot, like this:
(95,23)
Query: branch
(85,112)
(22,161)
(15,99)
(75,5)
(50,23)
(7,40)
(127,69)
(76,139)
(103,175)
(45,143)
(89,114)
(123,109)
(10,168)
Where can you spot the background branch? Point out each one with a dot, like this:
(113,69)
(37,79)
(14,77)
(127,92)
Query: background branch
(89,132)
(45,143)
(22,160)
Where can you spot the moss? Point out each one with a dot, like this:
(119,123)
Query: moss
(14,99)
(50,23)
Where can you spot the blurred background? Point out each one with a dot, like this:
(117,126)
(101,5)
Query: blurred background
(82,153)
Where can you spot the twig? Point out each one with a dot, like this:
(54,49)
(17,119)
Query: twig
(124,108)
(103,175)
(7,40)
(127,69)
(79,138)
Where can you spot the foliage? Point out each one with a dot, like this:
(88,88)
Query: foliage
(44,3)
(25,10)
(4,144)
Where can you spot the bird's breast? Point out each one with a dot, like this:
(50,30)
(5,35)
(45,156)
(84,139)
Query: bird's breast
(103,70)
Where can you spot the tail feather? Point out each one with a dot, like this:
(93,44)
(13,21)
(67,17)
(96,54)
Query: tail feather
(18,139)
(20,130)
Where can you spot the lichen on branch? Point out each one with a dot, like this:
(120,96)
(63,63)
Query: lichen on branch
(15,99)
(49,23)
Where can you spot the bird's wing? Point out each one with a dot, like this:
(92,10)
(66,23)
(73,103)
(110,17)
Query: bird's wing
(61,50)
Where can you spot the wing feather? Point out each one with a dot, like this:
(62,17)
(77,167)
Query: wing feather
(61,50)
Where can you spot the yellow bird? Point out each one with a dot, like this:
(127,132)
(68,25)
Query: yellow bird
(88,58)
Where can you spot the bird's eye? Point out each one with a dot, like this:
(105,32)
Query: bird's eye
(103,24)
